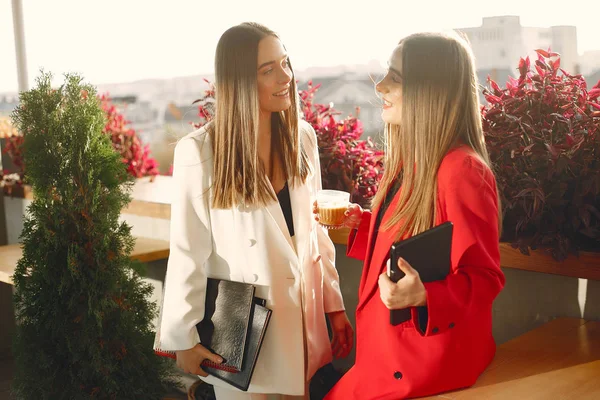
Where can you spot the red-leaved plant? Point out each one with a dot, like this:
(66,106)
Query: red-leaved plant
(134,154)
(543,135)
(347,162)
(14,175)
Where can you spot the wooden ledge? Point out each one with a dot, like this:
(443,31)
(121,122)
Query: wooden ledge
(150,199)
(586,266)
(559,360)
(148,209)
(18,191)
(145,250)
(339,236)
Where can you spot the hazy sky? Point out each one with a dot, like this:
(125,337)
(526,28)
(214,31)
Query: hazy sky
(124,40)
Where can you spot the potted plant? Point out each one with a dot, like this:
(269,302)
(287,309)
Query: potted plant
(543,135)
(84,319)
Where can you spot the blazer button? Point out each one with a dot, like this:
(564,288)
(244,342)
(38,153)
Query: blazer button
(398,375)
(254,277)
(451,325)
(435,330)
(318,258)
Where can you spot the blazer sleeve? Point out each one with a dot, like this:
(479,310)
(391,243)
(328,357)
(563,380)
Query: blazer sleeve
(190,247)
(468,196)
(332,294)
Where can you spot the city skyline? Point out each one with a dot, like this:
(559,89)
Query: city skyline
(133,41)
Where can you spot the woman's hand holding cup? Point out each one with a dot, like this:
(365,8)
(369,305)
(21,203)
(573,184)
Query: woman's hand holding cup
(333,210)
(353,215)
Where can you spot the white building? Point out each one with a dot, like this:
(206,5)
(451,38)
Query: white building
(590,62)
(347,91)
(500,41)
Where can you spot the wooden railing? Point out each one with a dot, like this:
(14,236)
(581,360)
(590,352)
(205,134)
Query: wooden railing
(145,250)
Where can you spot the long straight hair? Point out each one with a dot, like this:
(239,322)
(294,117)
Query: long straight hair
(239,176)
(439,110)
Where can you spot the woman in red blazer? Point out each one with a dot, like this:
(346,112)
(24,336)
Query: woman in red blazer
(431,111)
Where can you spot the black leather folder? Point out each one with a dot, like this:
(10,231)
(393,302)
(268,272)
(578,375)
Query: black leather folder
(227,314)
(428,253)
(256,334)
(234,327)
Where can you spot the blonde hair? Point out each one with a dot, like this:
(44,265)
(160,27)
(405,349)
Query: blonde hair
(239,176)
(440,110)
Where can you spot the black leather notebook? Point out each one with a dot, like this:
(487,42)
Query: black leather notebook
(256,335)
(428,253)
(233,327)
(227,315)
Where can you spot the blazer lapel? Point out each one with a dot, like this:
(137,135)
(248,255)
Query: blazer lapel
(274,210)
(369,252)
(376,261)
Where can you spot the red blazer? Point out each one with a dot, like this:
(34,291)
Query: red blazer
(456,345)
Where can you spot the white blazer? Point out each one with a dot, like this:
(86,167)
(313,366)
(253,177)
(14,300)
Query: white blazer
(252,245)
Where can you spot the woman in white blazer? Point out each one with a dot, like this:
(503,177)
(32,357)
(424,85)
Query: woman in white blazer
(242,211)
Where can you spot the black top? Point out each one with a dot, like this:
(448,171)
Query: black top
(386,203)
(286,206)
(423,313)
